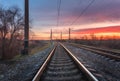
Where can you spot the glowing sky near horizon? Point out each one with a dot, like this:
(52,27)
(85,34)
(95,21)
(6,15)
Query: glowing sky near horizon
(43,13)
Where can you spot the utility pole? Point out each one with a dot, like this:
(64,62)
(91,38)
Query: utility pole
(51,36)
(69,33)
(26,28)
(61,36)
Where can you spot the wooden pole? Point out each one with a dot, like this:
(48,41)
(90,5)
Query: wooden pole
(26,28)
(69,33)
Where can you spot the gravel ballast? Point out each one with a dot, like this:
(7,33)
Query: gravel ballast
(24,68)
(107,69)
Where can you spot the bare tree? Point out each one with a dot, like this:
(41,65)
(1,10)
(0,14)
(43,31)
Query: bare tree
(16,23)
(3,29)
(11,27)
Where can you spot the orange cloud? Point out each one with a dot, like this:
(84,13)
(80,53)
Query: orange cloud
(112,29)
(105,32)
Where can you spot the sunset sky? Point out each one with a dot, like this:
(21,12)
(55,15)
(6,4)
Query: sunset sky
(100,17)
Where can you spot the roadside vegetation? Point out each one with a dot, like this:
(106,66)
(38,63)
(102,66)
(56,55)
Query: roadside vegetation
(11,31)
(107,42)
(12,34)
(37,46)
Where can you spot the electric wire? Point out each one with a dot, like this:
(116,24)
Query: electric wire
(58,10)
(84,10)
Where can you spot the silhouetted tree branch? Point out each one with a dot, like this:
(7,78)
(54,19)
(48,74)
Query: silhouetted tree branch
(11,28)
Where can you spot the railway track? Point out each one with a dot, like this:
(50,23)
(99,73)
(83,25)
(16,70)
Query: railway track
(108,53)
(62,65)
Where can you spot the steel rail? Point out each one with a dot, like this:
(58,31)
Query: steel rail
(116,57)
(101,49)
(89,75)
(40,72)
(86,72)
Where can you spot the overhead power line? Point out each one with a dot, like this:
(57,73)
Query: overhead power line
(84,10)
(58,10)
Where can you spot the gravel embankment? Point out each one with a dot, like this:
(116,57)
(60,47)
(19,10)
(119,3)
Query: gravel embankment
(62,68)
(24,68)
(109,69)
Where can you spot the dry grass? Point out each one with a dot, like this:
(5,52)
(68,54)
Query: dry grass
(39,48)
(109,44)
(34,50)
